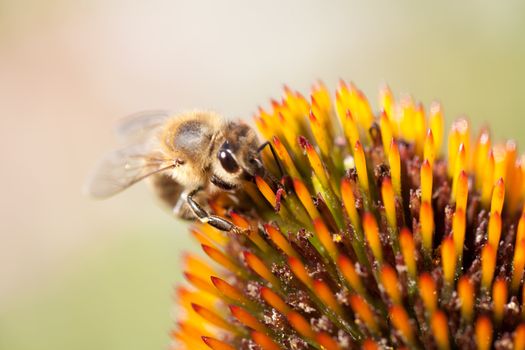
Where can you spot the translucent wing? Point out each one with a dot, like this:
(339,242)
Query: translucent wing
(137,127)
(124,167)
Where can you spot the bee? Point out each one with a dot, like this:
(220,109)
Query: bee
(188,158)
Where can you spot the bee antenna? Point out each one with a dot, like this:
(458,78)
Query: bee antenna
(268,144)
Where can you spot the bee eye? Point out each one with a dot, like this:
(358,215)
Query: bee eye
(228,162)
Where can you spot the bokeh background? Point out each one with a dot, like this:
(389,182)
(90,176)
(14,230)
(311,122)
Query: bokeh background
(82,274)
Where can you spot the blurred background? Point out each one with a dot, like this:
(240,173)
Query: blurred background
(77,273)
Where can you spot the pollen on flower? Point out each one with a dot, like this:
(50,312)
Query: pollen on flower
(381,231)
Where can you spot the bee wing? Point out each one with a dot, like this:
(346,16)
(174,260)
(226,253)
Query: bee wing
(139,126)
(124,167)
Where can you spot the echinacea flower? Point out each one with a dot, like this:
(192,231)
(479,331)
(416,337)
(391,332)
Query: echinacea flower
(373,238)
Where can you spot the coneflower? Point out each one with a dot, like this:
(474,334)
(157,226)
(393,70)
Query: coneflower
(373,239)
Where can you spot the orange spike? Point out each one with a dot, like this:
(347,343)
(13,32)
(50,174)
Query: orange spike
(299,271)
(448,260)
(266,191)
(372,236)
(427,290)
(520,233)
(518,263)
(429,149)
(394,161)
(350,127)
(391,283)
(458,231)
(240,220)
(360,165)
(327,296)
(387,193)
(483,333)
(326,341)
(258,266)
(426,181)
(364,312)
(280,241)
(196,265)
(216,344)
(401,322)
(436,125)
(350,274)
(264,341)
(316,163)
(220,258)
(498,196)
(426,220)
(212,317)
(284,156)
(466,297)
(305,198)
(349,201)
(494,230)
(462,191)
(488,264)
(369,344)
(407,249)
(386,132)
(499,298)
(299,323)
(519,337)
(487,180)
(321,134)
(439,325)
(326,238)
(274,300)
(247,319)
(228,290)
(200,283)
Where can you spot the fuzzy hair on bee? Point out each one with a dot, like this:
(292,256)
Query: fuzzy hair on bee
(187,158)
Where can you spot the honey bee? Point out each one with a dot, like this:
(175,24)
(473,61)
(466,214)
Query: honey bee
(188,158)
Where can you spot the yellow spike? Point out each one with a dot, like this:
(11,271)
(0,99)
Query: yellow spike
(498,196)
(350,128)
(499,298)
(387,102)
(487,180)
(519,337)
(284,156)
(360,165)
(372,236)
(389,202)
(481,153)
(408,248)
(325,237)
(426,220)
(459,167)
(386,132)
(448,260)
(466,297)
(279,240)
(439,325)
(500,162)
(216,344)
(228,290)
(429,149)
(488,265)
(212,317)
(453,145)
(520,232)
(427,290)
(407,118)
(462,191)
(220,258)
(306,199)
(419,128)
(390,282)
(494,230)
(321,135)
(458,231)
(518,263)
(483,333)
(426,181)
(315,162)
(436,125)
(395,166)
(266,191)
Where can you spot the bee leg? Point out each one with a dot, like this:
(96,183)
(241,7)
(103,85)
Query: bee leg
(215,221)
(274,155)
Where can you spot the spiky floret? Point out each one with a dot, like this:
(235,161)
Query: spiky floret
(372,239)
